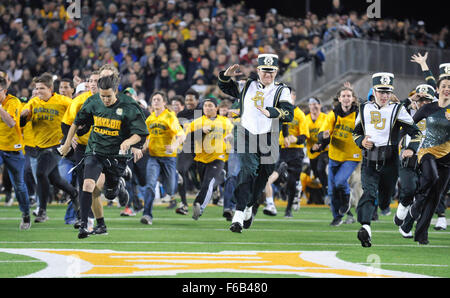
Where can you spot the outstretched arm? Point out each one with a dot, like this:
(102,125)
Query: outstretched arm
(422,61)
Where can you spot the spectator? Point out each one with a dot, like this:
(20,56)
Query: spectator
(192,32)
(174,68)
(180,85)
(177,103)
(162,81)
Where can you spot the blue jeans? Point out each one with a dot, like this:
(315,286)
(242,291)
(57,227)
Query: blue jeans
(338,175)
(167,167)
(15,163)
(234,166)
(64,167)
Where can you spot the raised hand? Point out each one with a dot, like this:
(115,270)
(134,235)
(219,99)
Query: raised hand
(421,60)
(233,71)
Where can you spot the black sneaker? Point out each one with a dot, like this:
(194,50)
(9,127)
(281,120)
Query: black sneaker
(25,224)
(123,193)
(236,227)
(408,223)
(397,221)
(288,214)
(364,237)
(414,212)
(99,230)
(182,209)
(172,204)
(42,216)
(336,222)
(196,209)
(77,224)
(423,242)
(83,233)
(248,222)
(228,214)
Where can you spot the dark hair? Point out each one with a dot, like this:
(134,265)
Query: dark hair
(162,93)
(192,92)
(3,83)
(46,79)
(440,81)
(109,82)
(178,98)
(67,80)
(339,93)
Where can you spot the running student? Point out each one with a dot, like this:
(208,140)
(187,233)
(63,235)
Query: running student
(117,124)
(165,136)
(11,149)
(344,156)
(45,111)
(211,133)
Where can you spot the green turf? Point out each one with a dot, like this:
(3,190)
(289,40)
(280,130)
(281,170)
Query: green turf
(309,230)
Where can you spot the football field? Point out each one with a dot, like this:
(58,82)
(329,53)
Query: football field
(177,246)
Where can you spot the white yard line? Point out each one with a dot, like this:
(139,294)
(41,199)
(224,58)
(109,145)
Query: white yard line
(219,243)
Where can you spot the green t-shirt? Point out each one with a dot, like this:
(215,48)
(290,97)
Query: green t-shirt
(111,125)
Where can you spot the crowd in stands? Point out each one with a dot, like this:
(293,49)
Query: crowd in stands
(174,45)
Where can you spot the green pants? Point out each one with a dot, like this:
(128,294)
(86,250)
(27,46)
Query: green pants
(257,155)
(378,184)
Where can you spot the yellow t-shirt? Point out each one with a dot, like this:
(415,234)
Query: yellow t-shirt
(212,146)
(297,127)
(314,127)
(163,129)
(342,146)
(27,133)
(71,114)
(11,138)
(46,119)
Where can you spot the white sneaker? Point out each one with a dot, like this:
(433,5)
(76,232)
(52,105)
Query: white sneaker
(146,220)
(405,235)
(10,202)
(238,217)
(90,225)
(441,224)
(400,215)
(296,204)
(270,210)
(402,211)
(36,211)
(166,199)
(248,213)
(368,229)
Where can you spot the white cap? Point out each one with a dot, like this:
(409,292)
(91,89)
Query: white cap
(81,88)
(143,103)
